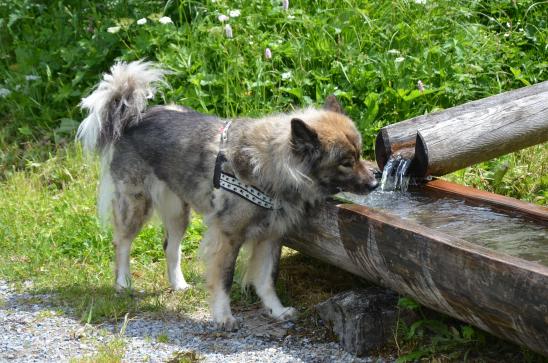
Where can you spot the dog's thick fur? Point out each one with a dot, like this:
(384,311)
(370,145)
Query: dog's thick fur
(163,159)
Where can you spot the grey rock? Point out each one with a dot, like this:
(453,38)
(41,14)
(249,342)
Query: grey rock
(362,319)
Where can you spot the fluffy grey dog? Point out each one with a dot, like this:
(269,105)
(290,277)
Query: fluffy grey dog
(252,179)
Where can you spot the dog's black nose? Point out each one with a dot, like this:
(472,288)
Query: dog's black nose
(378,174)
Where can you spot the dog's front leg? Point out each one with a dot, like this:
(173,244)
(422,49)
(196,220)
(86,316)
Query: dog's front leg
(219,254)
(262,272)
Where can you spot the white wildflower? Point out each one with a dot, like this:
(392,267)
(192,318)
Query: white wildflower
(420,2)
(234,13)
(268,53)
(420,86)
(32,77)
(399,59)
(285,4)
(222,18)
(228,31)
(286,75)
(4,92)
(165,20)
(393,51)
(113,29)
(142,21)
(506,35)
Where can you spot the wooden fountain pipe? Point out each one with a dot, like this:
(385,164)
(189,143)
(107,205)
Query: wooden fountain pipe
(468,134)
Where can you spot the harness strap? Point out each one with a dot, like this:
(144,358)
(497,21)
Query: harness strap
(230,183)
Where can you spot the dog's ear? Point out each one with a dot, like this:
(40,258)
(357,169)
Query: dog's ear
(331,104)
(304,138)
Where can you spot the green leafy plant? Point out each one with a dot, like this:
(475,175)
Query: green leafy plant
(435,337)
(432,337)
(362,52)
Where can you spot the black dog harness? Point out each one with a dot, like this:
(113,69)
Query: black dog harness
(230,183)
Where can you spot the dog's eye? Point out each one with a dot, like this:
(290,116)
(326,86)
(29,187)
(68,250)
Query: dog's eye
(347,164)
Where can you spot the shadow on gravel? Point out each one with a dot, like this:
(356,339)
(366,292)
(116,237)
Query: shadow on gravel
(98,304)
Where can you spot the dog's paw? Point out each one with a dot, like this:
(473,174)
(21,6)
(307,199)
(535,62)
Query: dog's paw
(180,286)
(228,324)
(288,313)
(121,290)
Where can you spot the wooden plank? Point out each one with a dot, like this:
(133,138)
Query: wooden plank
(501,294)
(476,131)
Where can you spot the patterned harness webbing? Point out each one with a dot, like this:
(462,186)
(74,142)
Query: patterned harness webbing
(231,184)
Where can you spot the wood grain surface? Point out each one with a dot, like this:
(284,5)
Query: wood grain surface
(476,131)
(504,295)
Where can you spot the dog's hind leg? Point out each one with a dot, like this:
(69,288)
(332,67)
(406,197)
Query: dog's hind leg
(131,209)
(175,216)
(220,253)
(262,272)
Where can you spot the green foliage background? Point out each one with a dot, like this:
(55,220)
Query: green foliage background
(369,53)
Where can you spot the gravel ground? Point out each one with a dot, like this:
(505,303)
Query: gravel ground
(32,331)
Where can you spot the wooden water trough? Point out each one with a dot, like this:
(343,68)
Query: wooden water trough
(502,294)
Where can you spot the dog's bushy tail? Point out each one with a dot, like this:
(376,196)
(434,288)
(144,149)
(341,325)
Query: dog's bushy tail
(117,103)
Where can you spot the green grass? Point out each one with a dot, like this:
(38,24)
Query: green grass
(522,175)
(110,352)
(185,357)
(162,338)
(50,234)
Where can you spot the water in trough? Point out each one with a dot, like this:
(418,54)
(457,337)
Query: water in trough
(478,224)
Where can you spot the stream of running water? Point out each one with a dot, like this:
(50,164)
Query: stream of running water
(394,174)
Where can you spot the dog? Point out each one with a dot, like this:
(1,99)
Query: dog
(172,159)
